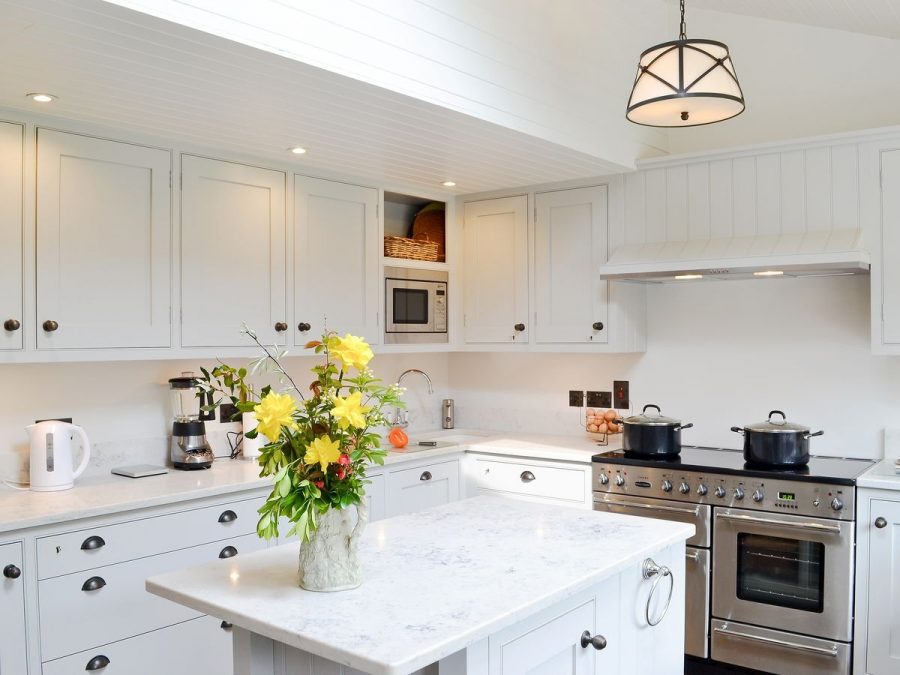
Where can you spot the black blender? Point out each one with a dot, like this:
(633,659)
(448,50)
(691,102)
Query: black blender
(189,448)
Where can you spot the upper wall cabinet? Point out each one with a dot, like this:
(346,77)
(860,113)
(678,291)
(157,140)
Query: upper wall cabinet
(102,243)
(233,267)
(11,314)
(496,270)
(336,254)
(890,254)
(570,239)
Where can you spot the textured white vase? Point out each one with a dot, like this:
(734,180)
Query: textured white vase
(329,561)
(250,447)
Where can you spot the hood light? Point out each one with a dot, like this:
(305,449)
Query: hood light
(769,273)
(688,276)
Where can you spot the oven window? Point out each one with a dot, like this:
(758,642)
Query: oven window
(410,306)
(781,572)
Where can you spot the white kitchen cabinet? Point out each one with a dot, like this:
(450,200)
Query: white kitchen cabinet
(233,260)
(570,244)
(877,649)
(13,646)
(376,495)
(422,487)
(531,479)
(496,271)
(102,244)
(336,254)
(890,252)
(11,299)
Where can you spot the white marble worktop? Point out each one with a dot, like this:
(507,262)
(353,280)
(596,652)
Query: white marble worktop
(883,476)
(487,563)
(107,494)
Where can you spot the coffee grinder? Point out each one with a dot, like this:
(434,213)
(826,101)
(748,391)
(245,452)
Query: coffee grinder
(189,449)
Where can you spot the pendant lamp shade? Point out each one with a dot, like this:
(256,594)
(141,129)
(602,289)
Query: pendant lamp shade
(685,83)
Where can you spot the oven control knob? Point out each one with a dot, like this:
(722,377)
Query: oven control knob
(667,486)
(837,504)
(620,481)
(720,492)
(702,490)
(604,479)
(758,496)
(684,488)
(738,493)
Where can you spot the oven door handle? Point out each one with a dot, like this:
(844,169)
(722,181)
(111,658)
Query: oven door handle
(692,555)
(693,512)
(818,527)
(833,652)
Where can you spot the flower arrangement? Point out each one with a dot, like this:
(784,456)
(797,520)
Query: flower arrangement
(320,441)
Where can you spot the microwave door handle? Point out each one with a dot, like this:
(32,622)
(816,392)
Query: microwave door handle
(817,527)
(781,643)
(674,509)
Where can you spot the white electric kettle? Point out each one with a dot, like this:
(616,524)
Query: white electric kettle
(51,455)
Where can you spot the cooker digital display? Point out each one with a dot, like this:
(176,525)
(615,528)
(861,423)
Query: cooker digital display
(787,496)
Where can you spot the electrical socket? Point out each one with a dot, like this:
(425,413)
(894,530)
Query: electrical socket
(599,399)
(228,412)
(576,398)
(621,395)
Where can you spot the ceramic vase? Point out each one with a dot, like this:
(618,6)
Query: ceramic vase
(250,447)
(329,561)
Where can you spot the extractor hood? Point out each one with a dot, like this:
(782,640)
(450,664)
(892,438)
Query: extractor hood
(837,252)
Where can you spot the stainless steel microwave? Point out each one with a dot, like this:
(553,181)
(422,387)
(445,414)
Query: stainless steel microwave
(415,306)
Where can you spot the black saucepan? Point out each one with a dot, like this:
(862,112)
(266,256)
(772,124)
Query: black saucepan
(776,442)
(652,435)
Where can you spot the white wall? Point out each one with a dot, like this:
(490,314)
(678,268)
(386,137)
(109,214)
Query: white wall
(719,354)
(124,407)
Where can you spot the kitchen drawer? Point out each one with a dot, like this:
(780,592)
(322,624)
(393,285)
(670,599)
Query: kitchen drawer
(422,487)
(74,618)
(196,647)
(531,479)
(84,549)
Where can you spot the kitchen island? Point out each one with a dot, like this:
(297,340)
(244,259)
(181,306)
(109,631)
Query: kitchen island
(481,586)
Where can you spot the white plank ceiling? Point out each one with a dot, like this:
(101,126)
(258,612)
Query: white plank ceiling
(125,70)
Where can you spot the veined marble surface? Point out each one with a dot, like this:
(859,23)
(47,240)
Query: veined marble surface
(882,476)
(104,494)
(434,582)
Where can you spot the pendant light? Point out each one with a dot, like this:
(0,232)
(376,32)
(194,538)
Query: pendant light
(685,83)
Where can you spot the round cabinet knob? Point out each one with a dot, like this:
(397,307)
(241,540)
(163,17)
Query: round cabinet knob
(12,572)
(12,325)
(880,523)
(598,642)
(519,327)
(303,327)
(667,486)
(837,503)
(684,488)
(738,493)
(604,479)
(49,325)
(597,325)
(620,481)
(702,490)
(758,496)
(720,492)
(281,326)
(226,625)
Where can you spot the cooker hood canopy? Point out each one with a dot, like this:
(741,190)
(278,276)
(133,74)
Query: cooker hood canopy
(836,252)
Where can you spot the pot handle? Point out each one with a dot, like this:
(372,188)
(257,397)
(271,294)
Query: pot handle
(618,421)
(652,405)
(815,433)
(777,412)
(686,426)
(738,430)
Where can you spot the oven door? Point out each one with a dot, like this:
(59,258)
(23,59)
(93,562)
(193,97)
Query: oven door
(697,515)
(784,572)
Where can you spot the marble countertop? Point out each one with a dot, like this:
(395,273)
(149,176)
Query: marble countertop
(487,563)
(106,494)
(882,476)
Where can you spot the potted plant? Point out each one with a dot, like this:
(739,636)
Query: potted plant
(321,442)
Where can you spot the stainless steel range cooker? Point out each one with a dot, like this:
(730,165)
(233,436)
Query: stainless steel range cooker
(770,569)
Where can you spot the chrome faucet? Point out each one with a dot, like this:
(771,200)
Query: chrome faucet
(401,417)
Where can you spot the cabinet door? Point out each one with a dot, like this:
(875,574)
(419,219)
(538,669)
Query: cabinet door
(420,488)
(11,235)
(232,253)
(496,280)
(890,254)
(376,494)
(102,243)
(570,244)
(12,609)
(883,651)
(335,259)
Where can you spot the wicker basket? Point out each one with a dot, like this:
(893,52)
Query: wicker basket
(411,249)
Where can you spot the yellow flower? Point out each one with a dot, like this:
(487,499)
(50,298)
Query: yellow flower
(274,412)
(350,412)
(351,351)
(322,451)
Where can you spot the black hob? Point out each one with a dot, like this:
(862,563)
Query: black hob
(834,470)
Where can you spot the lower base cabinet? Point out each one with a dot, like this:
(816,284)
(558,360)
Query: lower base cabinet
(422,487)
(197,647)
(13,645)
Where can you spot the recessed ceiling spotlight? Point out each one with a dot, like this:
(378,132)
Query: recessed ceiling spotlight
(297,150)
(41,98)
(688,276)
(448,183)
(768,273)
